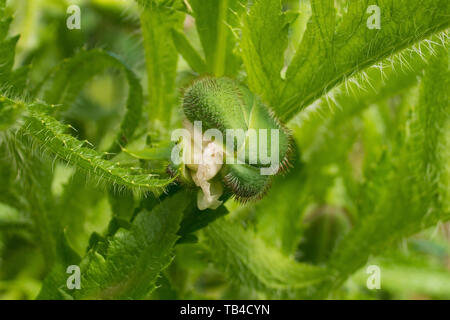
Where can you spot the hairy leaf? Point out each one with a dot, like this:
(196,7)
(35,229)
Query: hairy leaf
(134,257)
(52,135)
(329,54)
(263,45)
(215,21)
(69,78)
(157,22)
(249,261)
(12,82)
(9,112)
(415,200)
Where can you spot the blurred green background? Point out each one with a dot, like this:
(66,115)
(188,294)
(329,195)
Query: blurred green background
(346,142)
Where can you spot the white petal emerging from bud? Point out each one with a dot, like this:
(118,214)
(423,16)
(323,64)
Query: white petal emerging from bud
(210,155)
(212,159)
(208,196)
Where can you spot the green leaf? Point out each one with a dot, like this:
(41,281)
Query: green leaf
(263,45)
(7,52)
(188,52)
(214,20)
(11,218)
(283,229)
(122,205)
(324,18)
(326,132)
(161,56)
(195,219)
(33,177)
(12,82)
(160,151)
(134,257)
(81,208)
(52,135)
(250,262)
(326,58)
(55,283)
(416,197)
(5,22)
(16,86)
(9,112)
(68,79)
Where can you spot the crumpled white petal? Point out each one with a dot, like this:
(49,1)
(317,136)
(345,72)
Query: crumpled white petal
(209,194)
(211,164)
(202,173)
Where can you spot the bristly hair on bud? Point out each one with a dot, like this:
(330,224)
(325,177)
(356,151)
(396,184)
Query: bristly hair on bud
(224,104)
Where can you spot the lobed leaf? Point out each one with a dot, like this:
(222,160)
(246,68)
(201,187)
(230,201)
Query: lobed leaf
(416,197)
(250,262)
(52,135)
(326,58)
(134,258)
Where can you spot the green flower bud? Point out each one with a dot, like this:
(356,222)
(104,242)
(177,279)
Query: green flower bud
(237,128)
(224,104)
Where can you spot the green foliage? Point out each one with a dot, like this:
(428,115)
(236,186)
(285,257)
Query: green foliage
(215,21)
(12,81)
(188,52)
(250,262)
(9,112)
(51,134)
(11,218)
(126,265)
(69,78)
(263,45)
(84,149)
(158,20)
(224,104)
(329,54)
(415,198)
(135,257)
